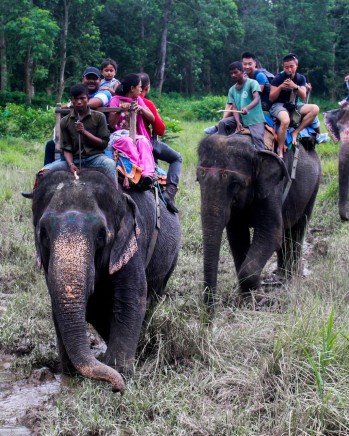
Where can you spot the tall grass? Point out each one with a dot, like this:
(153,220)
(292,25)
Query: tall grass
(272,371)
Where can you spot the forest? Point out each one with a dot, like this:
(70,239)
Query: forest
(185,46)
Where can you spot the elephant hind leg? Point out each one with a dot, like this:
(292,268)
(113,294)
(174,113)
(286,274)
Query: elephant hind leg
(290,254)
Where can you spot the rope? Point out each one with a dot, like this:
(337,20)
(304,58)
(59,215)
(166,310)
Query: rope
(155,234)
(293,173)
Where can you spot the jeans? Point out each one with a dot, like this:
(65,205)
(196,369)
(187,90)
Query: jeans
(164,152)
(226,126)
(50,150)
(96,161)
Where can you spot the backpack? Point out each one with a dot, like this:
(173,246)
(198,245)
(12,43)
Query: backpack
(266,91)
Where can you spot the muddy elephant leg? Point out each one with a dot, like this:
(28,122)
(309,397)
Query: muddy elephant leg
(266,240)
(343,172)
(239,240)
(290,253)
(129,307)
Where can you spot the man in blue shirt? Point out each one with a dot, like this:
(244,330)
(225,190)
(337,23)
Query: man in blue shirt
(250,68)
(97,97)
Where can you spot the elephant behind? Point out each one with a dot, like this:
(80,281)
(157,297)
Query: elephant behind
(242,188)
(337,123)
(93,241)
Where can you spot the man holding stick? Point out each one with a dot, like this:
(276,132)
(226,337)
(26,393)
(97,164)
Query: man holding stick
(244,103)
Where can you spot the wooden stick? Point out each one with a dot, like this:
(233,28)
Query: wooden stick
(230,110)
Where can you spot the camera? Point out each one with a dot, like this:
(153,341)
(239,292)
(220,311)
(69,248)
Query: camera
(288,76)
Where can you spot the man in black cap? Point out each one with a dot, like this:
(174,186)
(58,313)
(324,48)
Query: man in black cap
(98,97)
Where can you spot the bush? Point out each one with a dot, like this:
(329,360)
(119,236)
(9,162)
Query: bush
(18,97)
(26,122)
(206,109)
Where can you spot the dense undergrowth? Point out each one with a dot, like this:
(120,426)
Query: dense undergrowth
(279,370)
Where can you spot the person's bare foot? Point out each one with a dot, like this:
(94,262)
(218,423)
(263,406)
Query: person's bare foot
(281,152)
(294,135)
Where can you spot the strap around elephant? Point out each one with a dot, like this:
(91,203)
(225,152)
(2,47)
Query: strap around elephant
(293,173)
(155,234)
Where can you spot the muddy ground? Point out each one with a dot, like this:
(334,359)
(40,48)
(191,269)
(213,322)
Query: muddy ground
(21,400)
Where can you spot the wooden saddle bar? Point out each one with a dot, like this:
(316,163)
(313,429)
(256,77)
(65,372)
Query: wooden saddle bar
(62,111)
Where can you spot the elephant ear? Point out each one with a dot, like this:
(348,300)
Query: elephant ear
(331,119)
(125,243)
(38,256)
(271,170)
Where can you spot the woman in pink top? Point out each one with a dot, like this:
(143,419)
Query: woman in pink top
(140,152)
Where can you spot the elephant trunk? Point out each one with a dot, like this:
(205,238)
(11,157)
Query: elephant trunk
(343,171)
(213,223)
(70,280)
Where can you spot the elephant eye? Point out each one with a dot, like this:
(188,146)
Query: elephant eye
(101,237)
(45,240)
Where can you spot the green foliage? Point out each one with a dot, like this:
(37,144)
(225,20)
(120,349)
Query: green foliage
(324,357)
(26,122)
(40,100)
(206,109)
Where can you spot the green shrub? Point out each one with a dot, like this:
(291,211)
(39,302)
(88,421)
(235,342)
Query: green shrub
(41,100)
(26,122)
(206,109)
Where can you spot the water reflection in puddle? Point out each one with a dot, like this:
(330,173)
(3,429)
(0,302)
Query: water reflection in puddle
(16,398)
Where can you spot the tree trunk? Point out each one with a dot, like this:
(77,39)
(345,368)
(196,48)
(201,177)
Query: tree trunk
(28,75)
(142,32)
(3,60)
(64,37)
(163,47)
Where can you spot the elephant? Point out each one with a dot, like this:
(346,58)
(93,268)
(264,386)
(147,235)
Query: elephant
(94,242)
(242,188)
(337,123)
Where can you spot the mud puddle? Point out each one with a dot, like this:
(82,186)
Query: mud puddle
(18,398)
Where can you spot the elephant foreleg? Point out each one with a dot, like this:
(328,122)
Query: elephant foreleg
(239,237)
(129,307)
(266,240)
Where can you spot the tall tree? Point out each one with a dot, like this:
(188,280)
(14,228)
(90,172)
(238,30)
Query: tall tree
(36,32)
(163,46)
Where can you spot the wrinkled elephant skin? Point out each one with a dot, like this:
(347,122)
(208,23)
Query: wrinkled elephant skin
(337,123)
(92,241)
(242,188)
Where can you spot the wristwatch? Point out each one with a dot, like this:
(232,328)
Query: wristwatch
(296,89)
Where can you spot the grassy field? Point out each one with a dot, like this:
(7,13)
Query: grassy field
(277,371)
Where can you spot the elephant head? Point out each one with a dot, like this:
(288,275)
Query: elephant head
(337,123)
(84,229)
(233,179)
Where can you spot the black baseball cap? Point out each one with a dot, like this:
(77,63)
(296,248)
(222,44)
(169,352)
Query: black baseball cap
(92,70)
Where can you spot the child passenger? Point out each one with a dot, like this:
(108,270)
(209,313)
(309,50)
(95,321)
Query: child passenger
(109,69)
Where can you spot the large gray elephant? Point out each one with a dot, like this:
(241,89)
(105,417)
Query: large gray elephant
(242,188)
(337,123)
(93,242)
